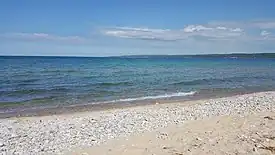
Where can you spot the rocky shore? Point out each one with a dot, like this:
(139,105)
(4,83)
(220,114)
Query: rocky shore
(58,134)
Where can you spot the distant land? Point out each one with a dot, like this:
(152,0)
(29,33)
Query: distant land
(232,55)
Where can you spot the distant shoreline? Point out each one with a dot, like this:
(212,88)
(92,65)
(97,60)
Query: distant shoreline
(229,55)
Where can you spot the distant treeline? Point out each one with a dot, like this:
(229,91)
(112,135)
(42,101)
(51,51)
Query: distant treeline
(240,55)
(234,55)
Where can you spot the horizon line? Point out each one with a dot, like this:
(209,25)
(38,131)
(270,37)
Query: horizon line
(136,55)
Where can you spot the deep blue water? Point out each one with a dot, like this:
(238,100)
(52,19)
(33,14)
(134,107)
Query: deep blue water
(71,80)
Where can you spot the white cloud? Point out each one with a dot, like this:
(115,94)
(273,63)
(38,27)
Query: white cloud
(236,30)
(256,24)
(265,33)
(196,28)
(190,31)
(221,28)
(43,37)
(142,29)
(142,33)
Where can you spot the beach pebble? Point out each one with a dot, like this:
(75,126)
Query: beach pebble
(198,139)
(59,134)
(2,144)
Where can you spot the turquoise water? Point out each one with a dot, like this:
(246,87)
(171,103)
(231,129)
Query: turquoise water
(46,81)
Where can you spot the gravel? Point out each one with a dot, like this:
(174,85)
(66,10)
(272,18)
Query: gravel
(58,134)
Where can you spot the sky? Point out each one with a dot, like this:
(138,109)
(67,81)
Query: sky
(129,27)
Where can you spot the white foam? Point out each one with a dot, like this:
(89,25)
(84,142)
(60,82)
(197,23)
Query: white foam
(178,94)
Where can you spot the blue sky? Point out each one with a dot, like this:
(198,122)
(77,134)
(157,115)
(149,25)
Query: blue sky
(123,27)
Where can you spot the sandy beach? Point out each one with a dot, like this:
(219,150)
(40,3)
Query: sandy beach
(242,124)
(250,134)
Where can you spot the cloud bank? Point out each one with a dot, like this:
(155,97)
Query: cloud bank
(209,31)
(173,35)
(261,30)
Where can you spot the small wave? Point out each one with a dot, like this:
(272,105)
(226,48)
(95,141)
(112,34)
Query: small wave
(32,91)
(21,81)
(202,81)
(29,80)
(154,97)
(60,71)
(218,80)
(113,83)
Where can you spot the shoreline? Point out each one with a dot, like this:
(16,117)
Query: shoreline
(76,108)
(57,134)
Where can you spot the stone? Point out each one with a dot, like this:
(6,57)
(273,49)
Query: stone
(2,144)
